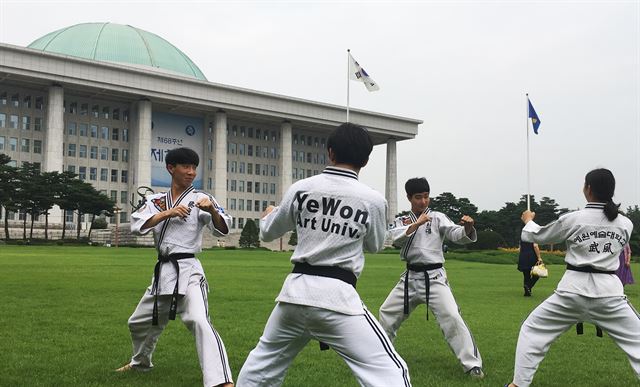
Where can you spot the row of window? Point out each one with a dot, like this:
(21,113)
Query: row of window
(252,187)
(24,122)
(25,145)
(239,167)
(114,196)
(271,152)
(26,102)
(87,130)
(251,205)
(104,174)
(263,134)
(95,152)
(105,112)
(70,217)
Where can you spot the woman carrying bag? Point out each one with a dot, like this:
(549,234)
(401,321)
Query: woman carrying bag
(528,258)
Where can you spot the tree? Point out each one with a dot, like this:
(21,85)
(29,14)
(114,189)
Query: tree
(249,235)
(633,213)
(8,181)
(293,239)
(454,208)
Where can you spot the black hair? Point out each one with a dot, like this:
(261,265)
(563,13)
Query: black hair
(603,185)
(416,185)
(351,144)
(182,156)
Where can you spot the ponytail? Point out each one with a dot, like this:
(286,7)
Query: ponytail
(611,210)
(603,185)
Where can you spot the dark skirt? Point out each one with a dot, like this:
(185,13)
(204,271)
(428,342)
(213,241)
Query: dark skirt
(527,258)
(624,272)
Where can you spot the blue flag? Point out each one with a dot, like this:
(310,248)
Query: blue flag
(535,121)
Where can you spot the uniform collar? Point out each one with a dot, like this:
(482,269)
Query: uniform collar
(341,172)
(595,205)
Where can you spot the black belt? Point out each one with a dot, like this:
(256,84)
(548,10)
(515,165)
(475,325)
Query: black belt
(588,269)
(326,271)
(173,258)
(421,269)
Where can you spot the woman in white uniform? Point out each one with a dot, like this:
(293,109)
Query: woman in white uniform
(589,290)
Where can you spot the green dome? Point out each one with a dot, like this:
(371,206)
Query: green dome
(109,42)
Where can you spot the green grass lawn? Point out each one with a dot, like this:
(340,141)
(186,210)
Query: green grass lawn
(64,311)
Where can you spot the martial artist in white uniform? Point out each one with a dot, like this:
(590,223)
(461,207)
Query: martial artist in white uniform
(335,217)
(589,290)
(178,219)
(421,235)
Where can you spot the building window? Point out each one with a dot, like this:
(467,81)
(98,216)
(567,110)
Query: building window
(249,168)
(116,114)
(209,183)
(233,186)
(264,205)
(104,173)
(93,152)
(26,102)
(114,134)
(256,205)
(257,169)
(240,220)
(241,149)
(1,142)
(82,175)
(272,189)
(83,130)
(71,168)
(272,152)
(71,150)
(26,122)
(95,111)
(104,153)
(241,167)
(25,145)
(250,132)
(241,186)
(125,155)
(94,131)
(232,204)
(209,164)
(37,146)
(3,120)
(124,177)
(15,100)
(3,99)
(93,173)
(114,154)
(37,124)
(104,133)
(249,189)
(273,170)
(13,121)
(13,144)
(125,135)
(39,103)
(105,112)
(209,146)
(232,148)
(256,187)
(123,197)
(234,165)
(83,151)
(84,109)
(114,175)
(250,150)
(264,187)
(241,205)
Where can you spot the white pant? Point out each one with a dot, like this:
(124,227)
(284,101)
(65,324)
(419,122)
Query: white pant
(194,313)
(443,306)
(359,340)
(558,313)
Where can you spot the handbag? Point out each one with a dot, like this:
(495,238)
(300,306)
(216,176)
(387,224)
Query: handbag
(540,270)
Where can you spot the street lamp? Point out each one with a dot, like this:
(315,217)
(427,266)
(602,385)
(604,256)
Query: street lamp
(116,212)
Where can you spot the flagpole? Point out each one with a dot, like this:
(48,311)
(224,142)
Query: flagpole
(528,161)
(348,65)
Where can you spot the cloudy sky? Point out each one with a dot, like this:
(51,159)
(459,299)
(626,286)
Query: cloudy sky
(463,67)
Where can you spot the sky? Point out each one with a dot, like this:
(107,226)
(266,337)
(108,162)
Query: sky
(462,67)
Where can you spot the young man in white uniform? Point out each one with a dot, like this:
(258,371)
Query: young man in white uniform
(178,219)
(421,235)
(589,289)
(335,217)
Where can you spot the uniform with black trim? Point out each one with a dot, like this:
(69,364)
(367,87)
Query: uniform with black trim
(179,285)
(335,217)
(425,282)
(588,291)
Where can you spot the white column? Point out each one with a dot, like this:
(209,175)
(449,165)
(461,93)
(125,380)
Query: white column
(54,132)
(220,158)
(391,186)
(53,142)
(285,162)
(140,133)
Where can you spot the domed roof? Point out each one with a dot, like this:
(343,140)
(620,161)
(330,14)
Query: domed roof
(109,42)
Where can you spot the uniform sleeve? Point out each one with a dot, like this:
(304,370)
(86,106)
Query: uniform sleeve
(139,218)
(398,232)
(552,233)
(455,232)
(374,239)
(281,219)
(207,219)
